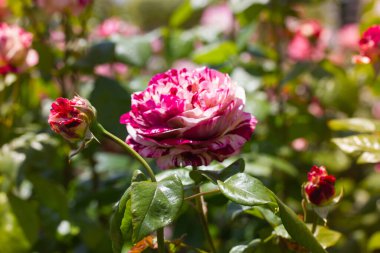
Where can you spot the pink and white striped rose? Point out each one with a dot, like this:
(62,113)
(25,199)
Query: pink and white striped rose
(15,49)
(189,118)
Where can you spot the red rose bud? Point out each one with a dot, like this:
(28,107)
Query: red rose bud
(320,186)
(72,118)
(369,45)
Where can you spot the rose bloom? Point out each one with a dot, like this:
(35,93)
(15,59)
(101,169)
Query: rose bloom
(188,118)
(308,42)
(15,51)
(320,187)
(219,17)
(51,6)
(71,118)
(369,45)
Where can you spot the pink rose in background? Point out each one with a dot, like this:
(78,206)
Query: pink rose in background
(188,118)
(74,6)
(369,46)
(114,26)
(15,51)
(110,70)
(219,17)
(348,37)
(308,43)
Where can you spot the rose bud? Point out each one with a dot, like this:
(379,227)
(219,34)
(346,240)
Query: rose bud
(369,46)
(188,118)
(72,118)
(15,48)
(320,188)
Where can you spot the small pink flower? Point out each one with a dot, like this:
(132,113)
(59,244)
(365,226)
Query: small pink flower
(320,187)
(112,69)
(369,45)
(52,6)
(115,26)
(300,144)
(219,17)
(15,48)
(188,118)
(308,43)
(71,118)
(348,37)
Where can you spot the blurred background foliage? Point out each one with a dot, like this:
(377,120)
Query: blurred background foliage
(51,204)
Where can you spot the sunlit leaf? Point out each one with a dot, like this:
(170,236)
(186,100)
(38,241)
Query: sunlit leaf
(154,205)
(246,190)
(355,124)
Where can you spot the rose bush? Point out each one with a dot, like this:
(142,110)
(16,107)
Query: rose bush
(189,118)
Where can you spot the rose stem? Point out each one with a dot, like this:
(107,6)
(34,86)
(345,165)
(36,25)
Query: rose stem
(199,204)
(315,222)
(160,231)
(129,150)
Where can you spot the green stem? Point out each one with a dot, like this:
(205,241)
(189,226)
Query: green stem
(160,240)
(160,232)
(201,194)
(129,150)
(200,207)
(315,223)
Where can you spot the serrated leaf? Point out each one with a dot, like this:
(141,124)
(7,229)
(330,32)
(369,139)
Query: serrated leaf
(154,205)
(246,190)
(222,175)
(298,230)
(355,124)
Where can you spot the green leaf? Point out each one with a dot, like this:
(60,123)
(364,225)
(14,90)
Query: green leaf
(374,242)
(182,13)
(246,190)
(222,175)
(134,50)
(355,124)
(99,53)
(327,237)
(215,54)
(249,248)
(26,215)
(298,230)
(182,174)
(107,97)
(154,205)
(366,145)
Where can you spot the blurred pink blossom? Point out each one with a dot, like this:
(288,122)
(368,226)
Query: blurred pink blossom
(308,43)
(114,26)
(300,144)
(110,70)
(15,49)
(188,118)
(219,17)
(348,37)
